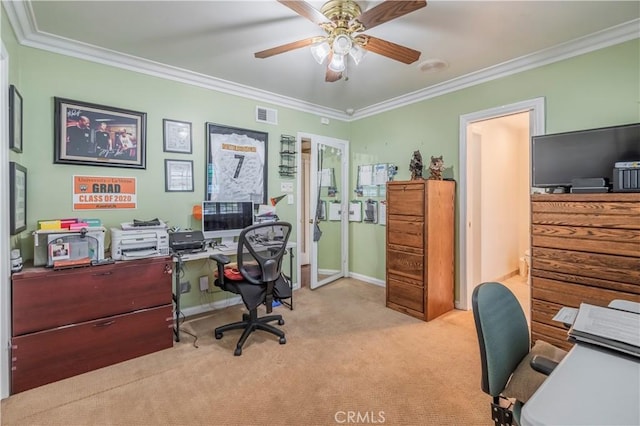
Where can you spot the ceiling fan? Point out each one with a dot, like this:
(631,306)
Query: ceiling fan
(344,22)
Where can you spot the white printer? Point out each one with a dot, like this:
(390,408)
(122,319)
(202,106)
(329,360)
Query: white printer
(136,242)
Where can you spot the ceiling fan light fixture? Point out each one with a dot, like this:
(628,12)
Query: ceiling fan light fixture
(337,63)
(342,44)
(357,53)
(320,51)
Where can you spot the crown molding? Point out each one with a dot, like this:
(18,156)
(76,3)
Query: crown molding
(22,20)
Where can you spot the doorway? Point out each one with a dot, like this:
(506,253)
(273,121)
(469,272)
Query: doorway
(322,212)
(494,193)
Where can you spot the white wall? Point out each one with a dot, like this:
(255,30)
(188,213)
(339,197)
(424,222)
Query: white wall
(504,178)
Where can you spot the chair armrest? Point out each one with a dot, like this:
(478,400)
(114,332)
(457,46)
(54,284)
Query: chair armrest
(543,365)
(221,260)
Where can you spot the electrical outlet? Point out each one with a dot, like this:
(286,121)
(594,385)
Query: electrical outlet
(204,283)
(185,287)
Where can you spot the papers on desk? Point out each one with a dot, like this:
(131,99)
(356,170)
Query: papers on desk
(607,327)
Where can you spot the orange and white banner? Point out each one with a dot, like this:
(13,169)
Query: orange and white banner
(104,193)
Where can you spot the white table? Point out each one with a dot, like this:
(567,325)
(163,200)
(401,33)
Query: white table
(591,386)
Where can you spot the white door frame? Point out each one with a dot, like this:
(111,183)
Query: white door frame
(536,127)
(344,146)
(5,274)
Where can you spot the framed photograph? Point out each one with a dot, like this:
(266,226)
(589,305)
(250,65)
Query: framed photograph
(15,119)
(178,176)
(98,135)
(236,164)
(177,136)
(18,198)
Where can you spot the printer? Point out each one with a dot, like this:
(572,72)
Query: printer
(139,242)
(187,241)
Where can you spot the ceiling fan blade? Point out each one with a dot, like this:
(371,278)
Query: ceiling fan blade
(390,9)
(286,47)
(391,50)
(332,76)
(305,10)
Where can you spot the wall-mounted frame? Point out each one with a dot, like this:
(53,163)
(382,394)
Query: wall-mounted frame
(178,176)
(236,164)
(177,136)
(98,135)
(15,119)
(18,197)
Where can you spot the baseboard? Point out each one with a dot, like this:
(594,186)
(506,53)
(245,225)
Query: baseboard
(368,279)
(507,276)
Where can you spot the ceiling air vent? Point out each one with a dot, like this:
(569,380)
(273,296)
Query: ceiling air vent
(266,115)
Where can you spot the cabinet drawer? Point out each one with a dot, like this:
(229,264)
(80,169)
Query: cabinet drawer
(52,355)
(405,294)
(406,264)
(405,198)
(44,298)
(405,233)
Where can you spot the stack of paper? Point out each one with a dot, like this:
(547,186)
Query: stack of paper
(611,328)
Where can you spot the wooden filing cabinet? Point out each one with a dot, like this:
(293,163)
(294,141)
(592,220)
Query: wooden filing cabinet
(69,322)
(584,248)
(420,247)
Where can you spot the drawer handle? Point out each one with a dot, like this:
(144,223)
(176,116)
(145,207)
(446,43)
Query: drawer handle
(102,273)
(105,324)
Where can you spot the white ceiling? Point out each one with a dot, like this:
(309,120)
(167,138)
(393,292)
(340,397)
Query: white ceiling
(211,43)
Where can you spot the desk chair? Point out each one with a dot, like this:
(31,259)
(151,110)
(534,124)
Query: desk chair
(511,369)
(261,248)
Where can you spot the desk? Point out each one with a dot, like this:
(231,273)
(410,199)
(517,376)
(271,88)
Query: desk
(590,386)
(205,255)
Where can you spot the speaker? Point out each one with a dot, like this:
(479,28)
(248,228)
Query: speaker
(589,182)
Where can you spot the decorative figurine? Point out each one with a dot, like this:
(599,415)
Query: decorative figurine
(415,166)
(436,168)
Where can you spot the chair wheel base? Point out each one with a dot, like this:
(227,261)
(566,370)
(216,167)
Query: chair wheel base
(218,336)
(281,322)
(237,352)
(283,340)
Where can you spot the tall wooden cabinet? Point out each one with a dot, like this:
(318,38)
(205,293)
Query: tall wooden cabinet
(420,247)
(69,322)
(584,248)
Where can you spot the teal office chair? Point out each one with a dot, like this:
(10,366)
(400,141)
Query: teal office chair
(511,369)
(260,281)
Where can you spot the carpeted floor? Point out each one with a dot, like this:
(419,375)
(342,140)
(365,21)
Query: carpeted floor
(348,359)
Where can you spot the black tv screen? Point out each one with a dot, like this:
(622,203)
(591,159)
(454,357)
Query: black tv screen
(559,158)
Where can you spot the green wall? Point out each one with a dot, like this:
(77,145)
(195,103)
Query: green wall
(596,89)
(601,88)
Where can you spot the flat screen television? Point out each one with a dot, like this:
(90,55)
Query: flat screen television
(225,219)
(559,158)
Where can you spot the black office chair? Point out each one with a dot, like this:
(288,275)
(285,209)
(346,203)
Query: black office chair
(511,369)
(261,248)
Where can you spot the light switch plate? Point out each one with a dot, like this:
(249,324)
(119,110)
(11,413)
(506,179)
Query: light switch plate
(290,199)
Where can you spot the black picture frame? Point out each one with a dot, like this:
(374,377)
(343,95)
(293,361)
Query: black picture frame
(18,198)
(236,166)
(15,119)
(178,175)
(121,142)
(177,136)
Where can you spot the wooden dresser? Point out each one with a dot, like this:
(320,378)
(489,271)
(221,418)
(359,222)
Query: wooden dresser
(584,248)
(69,322)
(420,242)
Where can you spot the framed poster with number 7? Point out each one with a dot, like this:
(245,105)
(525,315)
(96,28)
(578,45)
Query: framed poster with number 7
(236,164)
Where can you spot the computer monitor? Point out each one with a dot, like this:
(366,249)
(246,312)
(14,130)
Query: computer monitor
(225,219)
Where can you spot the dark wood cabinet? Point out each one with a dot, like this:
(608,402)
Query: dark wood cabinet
(420,247)
(584,248)
(69,322)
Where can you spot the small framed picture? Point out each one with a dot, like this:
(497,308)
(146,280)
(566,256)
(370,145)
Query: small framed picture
(177,136)
(58,251)
(178,175)
(18,198)
(15,119)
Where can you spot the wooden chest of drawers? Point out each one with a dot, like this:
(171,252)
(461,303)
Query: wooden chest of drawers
(584,248)
(69,322)
(420,241)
